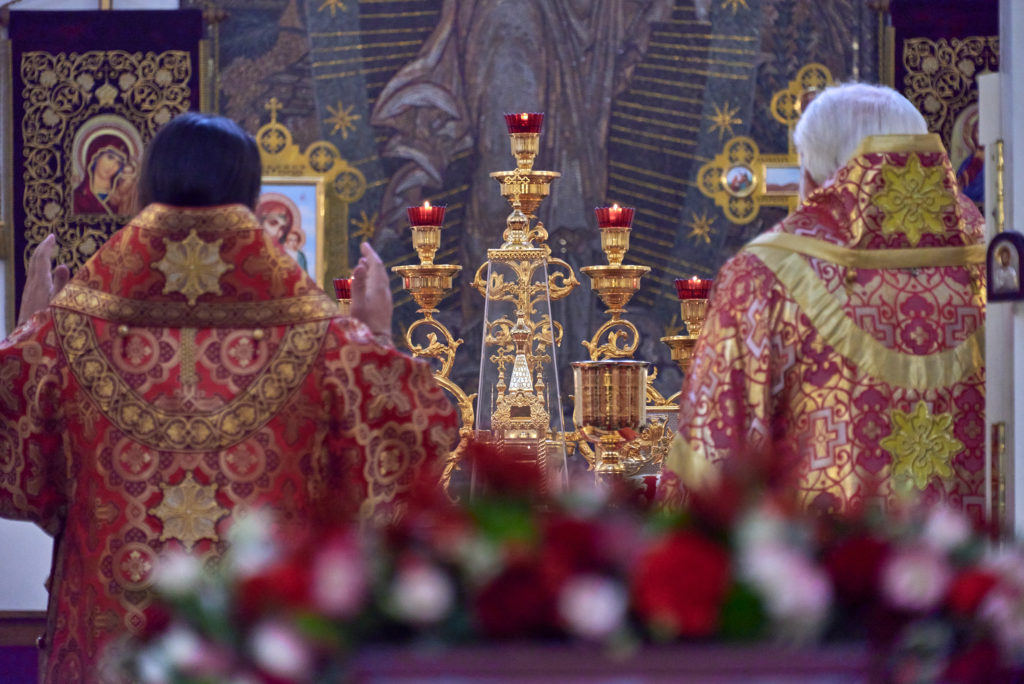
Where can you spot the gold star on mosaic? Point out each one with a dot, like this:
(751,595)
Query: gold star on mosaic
(724,119)
(675,326)
(922,446)
(192,266)
(189,512)
(342,119)
(332,5)
(734,5)
(366,225)
(700,227)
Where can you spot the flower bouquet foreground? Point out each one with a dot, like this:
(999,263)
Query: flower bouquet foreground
(597,564)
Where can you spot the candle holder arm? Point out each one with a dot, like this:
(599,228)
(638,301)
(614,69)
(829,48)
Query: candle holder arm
(622,341)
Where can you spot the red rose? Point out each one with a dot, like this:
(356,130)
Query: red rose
(285,584)
(518,603)
(157,618)
(968,590)
(680,584)
(572,545)
(854,565)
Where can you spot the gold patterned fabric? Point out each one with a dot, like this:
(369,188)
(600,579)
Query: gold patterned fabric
(829,344)
(126,436)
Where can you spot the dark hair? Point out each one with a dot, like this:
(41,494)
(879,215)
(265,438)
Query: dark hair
(200,160)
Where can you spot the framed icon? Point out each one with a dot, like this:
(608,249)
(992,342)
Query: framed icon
(292,210)
(1004,262)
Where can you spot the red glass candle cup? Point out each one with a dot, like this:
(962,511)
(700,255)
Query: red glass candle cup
(343,288)
(525,122)
(614,216)
(693,288)
(426,215)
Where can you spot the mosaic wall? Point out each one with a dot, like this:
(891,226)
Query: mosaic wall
(638,94)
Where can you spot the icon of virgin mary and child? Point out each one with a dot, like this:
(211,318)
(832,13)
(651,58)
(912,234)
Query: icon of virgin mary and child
(106,151)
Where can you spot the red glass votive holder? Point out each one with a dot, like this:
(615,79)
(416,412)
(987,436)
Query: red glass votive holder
(343,288)
(693,288)
(524,122)
(426,215)
(614,216)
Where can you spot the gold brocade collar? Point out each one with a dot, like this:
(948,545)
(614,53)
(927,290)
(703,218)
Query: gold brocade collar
(897,191)
(195,267)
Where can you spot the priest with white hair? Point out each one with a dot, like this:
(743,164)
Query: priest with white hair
(847,342)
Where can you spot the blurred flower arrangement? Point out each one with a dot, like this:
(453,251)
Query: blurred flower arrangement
(595,564)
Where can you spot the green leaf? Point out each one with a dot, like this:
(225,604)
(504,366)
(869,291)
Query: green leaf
(742,616)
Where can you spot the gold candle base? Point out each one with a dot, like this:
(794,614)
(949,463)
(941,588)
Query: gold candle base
(524,148)
(615,285)
(693,312)
(426,240)
(428,283)
(345,305)
(681,350)
(528,188)
(615,244)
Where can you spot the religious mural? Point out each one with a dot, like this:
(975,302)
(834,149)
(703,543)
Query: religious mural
(637,95)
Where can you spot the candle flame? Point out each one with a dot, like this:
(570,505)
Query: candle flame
(524,116)
(426,204)
(695,279)
(615,207)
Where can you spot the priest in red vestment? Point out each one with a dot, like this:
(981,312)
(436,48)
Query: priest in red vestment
(848,340)
(191,371)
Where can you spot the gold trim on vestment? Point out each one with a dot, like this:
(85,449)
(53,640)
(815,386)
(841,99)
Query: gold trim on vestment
(911,371)
(163,314)
(880,144)
(160,429)
(919,257)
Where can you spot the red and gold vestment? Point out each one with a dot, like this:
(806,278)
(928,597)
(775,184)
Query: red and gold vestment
(849,341)
(191,370)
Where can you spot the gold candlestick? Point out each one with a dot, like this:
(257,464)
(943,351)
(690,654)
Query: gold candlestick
(681,347)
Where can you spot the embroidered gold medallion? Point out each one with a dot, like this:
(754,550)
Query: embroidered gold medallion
(913,199)
(189,512)
(192,266)
(922,445)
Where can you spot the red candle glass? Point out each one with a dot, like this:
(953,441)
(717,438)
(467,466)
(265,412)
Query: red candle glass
(426,215)
(693,288)
(614,216)
(525,122)
(343,288)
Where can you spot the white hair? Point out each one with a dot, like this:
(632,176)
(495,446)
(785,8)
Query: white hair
(835,122)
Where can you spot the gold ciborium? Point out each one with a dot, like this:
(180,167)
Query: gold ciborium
(610,407)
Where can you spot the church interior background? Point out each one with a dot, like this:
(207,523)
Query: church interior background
(640,96)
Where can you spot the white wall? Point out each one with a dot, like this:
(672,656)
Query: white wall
(1011,59)
(25,550)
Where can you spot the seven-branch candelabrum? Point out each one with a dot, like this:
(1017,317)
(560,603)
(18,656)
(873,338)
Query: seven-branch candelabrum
(519,281)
